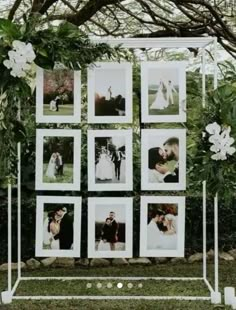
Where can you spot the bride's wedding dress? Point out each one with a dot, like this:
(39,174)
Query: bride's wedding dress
(104,168)
(51,170)
(48,237)
(160,102)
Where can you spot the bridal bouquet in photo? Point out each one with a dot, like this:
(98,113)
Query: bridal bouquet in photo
(221,141)
(20,58)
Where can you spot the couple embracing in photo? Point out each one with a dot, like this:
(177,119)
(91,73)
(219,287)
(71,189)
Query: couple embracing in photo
(163,162)
(58,229)
(55,166)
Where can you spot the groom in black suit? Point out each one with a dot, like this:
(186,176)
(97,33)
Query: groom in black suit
(171,147)
(66,232)
(116,158)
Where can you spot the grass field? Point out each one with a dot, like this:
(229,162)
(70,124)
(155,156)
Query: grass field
(172,109)
(149,287)
(66,178)
(66,109)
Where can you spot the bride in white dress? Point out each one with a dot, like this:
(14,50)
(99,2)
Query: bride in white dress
(104,166)
(51,170)
(160,102)
(51,228)
(170,236)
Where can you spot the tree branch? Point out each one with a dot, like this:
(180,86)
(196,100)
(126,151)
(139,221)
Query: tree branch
(14,9)
(47,4)
(89,10)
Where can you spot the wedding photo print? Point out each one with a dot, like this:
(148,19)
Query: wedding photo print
(110,160)
(163,164)
(163,91)
(58,226)
(110,221)
(110,93)
(58,96)
(162,226)
(58,159)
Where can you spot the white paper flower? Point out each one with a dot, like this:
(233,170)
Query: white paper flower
(221,141)
(20,58)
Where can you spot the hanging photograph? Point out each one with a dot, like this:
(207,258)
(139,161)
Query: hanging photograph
(110,93)
(110,164)
(58,96)
(163,88)
(58,159)
(110,221)
(58,226)
(162,226)
(163,164)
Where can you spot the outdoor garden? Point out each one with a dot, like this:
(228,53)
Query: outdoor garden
(58,34)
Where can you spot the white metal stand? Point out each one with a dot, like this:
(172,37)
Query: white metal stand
(214,294)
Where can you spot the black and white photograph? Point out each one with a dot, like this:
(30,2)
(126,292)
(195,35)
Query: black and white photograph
(58,96)
(110,93)
(58,159)
(162,230)
(163,165)
(110,221)
(58,226)
(110,160)
(163,91)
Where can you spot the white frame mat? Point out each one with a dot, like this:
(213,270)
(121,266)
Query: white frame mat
(145,201)
(128,185)
(162,65)
(40,134)
(41,200)
(128,206)
(128,118)
(41,118)
(180,133)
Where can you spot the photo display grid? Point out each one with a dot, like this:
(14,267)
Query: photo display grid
(110,160)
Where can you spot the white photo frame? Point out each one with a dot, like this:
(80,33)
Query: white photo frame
(179,240)
(110,204)
(119,75)
(169,71)
(39,174)
(123,185)
(150,178)
(40,223)
(40,117)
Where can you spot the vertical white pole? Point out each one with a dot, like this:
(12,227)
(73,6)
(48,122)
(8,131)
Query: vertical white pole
(19,203)
(203,78)
(216,197)
(9,228)
(216,244)
(204,221)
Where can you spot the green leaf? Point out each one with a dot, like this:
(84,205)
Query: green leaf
(8,30)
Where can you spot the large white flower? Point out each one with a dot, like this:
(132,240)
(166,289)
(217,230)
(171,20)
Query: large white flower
(221,141)
(20,58)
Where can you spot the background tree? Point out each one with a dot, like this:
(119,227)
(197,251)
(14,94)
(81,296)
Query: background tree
(142,18)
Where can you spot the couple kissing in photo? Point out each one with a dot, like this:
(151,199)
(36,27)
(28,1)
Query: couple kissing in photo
(163,162)
(58,230)
(162,230)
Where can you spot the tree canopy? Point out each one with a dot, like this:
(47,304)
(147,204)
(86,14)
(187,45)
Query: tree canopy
(139,18)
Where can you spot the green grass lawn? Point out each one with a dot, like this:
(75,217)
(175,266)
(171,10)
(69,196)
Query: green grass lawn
(66,109)
(66,178)
(150,287)
(172,109)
